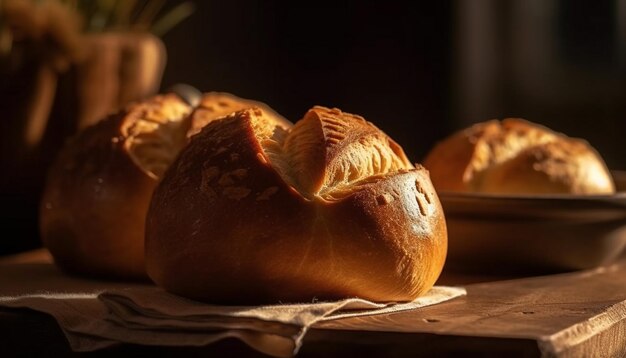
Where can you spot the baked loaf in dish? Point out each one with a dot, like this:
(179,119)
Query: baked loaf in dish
(257,211)
(515,156)
(94,206)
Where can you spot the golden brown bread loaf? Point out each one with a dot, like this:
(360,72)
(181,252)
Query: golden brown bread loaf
(93,210)
(256,211)
(517,157)
(99,188)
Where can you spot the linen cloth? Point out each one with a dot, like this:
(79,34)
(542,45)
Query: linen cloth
(98,314)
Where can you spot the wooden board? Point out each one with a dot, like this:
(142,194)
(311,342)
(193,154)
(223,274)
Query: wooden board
(569,315)
(579,314)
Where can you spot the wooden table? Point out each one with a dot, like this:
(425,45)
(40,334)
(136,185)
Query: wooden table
(580,314)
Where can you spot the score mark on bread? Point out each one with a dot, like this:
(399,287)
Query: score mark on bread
(155,134)
(328,150)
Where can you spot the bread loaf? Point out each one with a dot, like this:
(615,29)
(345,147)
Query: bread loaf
(517,157)
(94,206)
(255,210)
(98,190)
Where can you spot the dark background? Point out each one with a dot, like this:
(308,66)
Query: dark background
(386,61)
(419,70)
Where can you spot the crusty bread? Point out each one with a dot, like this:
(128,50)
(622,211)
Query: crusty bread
(517,157)
(214,105)
(99,188)
(257,211)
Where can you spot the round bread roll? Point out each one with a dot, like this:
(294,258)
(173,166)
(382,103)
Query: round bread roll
(517,157)
(255,211)
(94,206)
(93,209)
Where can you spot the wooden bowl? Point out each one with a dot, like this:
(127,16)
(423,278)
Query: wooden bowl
(534,233)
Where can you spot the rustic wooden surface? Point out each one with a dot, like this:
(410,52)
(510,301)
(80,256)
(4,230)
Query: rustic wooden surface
(569,315)
(580,314)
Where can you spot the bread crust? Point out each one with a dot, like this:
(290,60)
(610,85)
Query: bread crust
(231,223)
(96,196)
(214,105)
(515,156)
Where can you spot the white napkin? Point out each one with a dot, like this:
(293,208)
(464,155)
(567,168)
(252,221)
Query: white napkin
(95,315)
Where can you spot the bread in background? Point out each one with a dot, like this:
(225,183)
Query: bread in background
(515,156)
(97,192)
(214,105)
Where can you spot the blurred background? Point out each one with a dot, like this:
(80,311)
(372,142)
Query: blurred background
(418,69)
